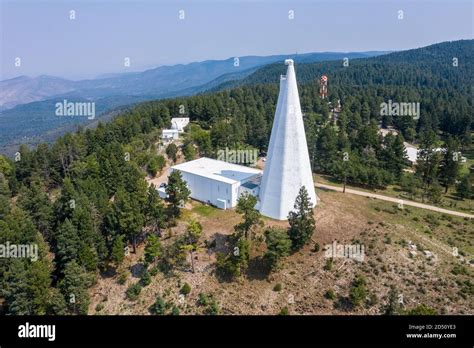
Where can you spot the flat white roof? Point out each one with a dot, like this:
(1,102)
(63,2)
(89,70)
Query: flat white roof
(217,170)
(412,152)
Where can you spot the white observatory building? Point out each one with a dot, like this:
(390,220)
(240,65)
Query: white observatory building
(288,167)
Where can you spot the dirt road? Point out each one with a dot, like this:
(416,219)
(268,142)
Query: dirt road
(394,200)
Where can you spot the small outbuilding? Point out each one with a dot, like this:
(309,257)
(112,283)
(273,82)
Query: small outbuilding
(169,134)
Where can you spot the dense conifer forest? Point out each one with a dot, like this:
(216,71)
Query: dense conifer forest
(84,198)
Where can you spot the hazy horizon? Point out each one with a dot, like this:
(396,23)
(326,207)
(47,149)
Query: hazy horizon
(101,75)
(151,34)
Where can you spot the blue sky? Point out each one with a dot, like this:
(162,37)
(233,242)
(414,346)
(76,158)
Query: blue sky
(151,33)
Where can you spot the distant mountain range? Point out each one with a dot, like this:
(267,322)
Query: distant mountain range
(429,66)
(161,81)
(24,89)
(27,103)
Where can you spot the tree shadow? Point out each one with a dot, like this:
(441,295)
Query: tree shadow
(343,304)
(219,243)
(223,277)
(137,270)
(398,189)
(324,189)
(259,269)
(455,197)
(108,272)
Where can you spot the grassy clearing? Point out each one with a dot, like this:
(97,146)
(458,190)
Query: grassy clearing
(204,210)
(451,231)
(449,200)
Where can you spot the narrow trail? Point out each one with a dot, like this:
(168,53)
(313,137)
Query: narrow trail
(394,200)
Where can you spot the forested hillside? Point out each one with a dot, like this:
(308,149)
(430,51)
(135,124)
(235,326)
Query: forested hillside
(429,66)
(84,197)
(426,75)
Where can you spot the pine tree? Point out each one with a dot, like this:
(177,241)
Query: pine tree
(411,184)
(27,287)
(25,283)
(393,155)
(65,205)
(178,193)
(118,251)
(193,232)
(278,245)
(154,210)
(393,306)
(128,212)
(221,134)
(241,255)
(344,167)
(156,165)
(326,149)
(464,188)
(189,152)
(67,243)
(400,156)
(35,201)
(74,288)
(358,292)
(449,168)
(57,303)
(236,262)
(172,152)
(90,237)
(5,195)
(252,218)
(435,192)
(152,248)
(301,220)
(428,159)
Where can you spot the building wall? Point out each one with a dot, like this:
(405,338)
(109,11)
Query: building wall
(209,191)
(170,134)
(253,192)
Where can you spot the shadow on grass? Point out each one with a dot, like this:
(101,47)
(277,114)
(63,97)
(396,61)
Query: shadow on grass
(454,197)
(398,189)
(324,189)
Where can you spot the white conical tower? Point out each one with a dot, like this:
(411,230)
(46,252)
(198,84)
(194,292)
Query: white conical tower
(287,168)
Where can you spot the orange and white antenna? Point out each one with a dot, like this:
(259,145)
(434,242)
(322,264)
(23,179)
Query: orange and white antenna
(323,87)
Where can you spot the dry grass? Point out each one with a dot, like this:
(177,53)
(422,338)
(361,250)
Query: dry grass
(346,218)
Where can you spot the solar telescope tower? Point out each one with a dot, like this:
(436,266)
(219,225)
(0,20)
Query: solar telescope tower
(287,168)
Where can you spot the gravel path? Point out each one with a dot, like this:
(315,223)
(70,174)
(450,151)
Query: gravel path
(394,200)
